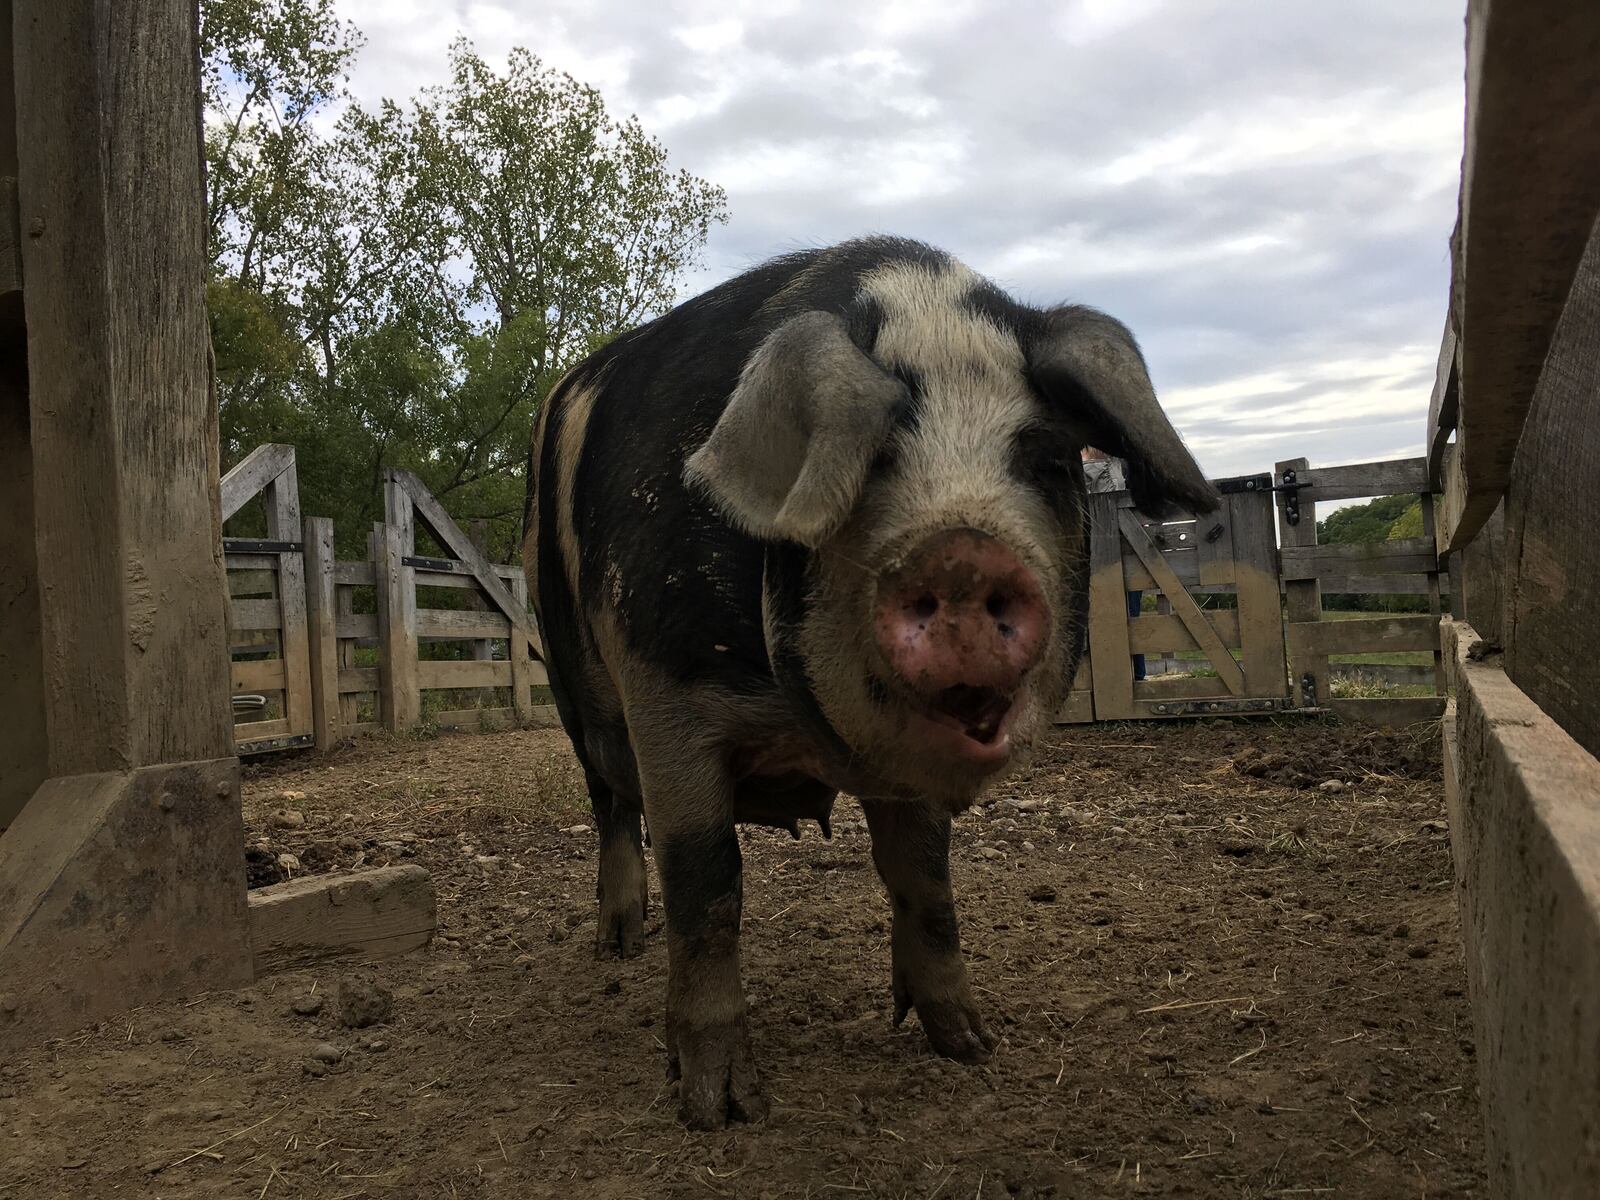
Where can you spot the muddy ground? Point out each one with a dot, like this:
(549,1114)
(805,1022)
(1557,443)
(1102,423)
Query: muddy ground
(1225,960)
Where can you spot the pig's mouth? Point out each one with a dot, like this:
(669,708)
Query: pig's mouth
(970,723)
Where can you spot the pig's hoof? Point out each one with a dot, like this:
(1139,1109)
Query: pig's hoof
(621,932)
(955,1027)
(717,1079)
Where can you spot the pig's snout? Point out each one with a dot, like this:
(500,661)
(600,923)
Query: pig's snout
(961,620)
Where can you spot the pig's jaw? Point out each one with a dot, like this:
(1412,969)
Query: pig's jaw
(973,731)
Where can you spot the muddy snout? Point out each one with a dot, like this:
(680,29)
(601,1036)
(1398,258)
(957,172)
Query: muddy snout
(961,621)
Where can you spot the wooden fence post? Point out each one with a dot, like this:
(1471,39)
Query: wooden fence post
(522,665)
(482,648)
(397,629)
(1303,596)
(1255,574)
(322,618)
(283,524)
(349,703)
(1110,655)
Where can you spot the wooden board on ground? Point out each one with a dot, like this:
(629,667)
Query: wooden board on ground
(376,913)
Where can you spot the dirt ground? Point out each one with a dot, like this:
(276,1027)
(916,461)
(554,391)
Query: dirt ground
(1224,959)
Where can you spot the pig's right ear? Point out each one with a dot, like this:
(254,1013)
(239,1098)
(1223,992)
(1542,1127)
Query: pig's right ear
(789,455)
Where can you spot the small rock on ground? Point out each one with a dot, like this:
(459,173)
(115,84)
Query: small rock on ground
(364,1002)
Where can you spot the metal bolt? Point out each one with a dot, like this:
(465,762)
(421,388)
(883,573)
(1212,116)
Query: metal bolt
(36,227)
(167,802)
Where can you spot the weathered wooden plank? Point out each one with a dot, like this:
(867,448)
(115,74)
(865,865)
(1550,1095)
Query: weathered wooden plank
(254,615)
(258,675)
(321,620)
(1368,635)
(1184,564)
(1183,606)
(1527,207)
(1443,405)
(466,673)
(122,424)
(1108,613)
(1402,556)
(1524,807)
(1156,634)
(457,625)
(1388,711)
(249,567)
(397,630)
(282,497)
(1213,548)
(1549,563)
(1260,611)
(1308,674)
(1077,710)
(1435,604)
(360,679)
(252,474)
(356,574)
(1388,477)
(376,913)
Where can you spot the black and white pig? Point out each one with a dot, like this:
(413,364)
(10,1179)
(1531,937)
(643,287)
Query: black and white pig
(821,529)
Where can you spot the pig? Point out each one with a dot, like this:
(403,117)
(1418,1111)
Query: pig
(821,529)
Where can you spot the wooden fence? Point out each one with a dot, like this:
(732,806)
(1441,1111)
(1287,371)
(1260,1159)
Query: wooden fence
(1239,625)
(1518,386)
(323,649)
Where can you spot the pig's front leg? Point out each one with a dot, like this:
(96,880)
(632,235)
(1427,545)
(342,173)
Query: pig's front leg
(688,800)
(911,849)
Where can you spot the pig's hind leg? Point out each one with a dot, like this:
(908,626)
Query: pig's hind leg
(911,849)
(623,885)
(688,798)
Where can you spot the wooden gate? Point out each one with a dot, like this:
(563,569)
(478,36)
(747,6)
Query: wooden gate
(268,634)
(1217,601)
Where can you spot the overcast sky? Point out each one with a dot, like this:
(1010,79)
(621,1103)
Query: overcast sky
(1263,189)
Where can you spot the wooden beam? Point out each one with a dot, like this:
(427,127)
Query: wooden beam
(1401,556)
(1183,605)
(1528,203)
(1443,406)
(1366,635)
(1525,836)
(371,914)
(463,673)
(252,474)
(1390,712)
(1388,477)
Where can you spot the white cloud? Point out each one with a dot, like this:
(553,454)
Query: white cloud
(1263,191)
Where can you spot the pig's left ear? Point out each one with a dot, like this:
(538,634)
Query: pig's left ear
(1089,366)
(789,455)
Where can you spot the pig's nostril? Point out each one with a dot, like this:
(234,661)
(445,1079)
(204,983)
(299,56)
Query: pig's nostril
(998,605)
(924,606)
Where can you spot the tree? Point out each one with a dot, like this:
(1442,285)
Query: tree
(402,285)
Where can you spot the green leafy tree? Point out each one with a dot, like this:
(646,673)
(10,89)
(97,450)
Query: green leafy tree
(1379,520)
(401,286)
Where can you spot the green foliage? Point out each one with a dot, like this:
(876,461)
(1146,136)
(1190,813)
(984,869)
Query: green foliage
(1364,523)
(1383,519)
(402,286)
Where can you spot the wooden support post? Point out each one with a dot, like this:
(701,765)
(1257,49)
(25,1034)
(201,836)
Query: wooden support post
(1109,651)
(478,532)
(349,704)
(522,664)
(322,630)
(283,524)
(122,880)
(1255,568)
(397,629)
(1303,596)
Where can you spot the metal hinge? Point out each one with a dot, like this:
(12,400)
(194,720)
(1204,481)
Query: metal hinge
(1182,708)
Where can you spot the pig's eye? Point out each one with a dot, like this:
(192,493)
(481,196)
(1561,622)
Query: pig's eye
(1044,460)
